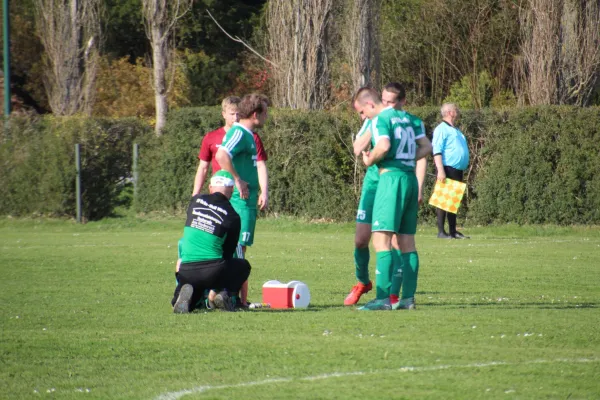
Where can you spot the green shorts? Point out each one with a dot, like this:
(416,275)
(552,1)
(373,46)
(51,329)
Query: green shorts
(248,218)
(396,203)
(367,196)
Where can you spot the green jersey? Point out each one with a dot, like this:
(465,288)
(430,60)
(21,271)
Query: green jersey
(372,173)
(401,129)
(239,144)
(211,229)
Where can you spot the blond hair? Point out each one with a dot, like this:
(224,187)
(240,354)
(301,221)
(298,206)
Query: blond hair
(231,101)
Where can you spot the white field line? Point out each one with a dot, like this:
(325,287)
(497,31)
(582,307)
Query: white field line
(201,389)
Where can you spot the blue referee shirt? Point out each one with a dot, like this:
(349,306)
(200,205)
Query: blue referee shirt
(452,145)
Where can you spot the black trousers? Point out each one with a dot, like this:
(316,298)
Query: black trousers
(213,274)
(457,175)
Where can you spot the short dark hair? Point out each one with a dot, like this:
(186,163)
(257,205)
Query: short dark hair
(397,89)
(366,93)
(252,103)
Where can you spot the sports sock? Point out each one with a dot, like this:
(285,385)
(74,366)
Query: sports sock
(396,272)
(361,263)
(382,275)
(441,219)
(410,272)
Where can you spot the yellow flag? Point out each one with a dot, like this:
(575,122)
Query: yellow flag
(447,195)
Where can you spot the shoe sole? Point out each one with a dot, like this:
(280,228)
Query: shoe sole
(182,305)
(223,303)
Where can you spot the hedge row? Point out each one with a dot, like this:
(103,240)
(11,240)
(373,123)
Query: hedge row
(529,165)
(37,167)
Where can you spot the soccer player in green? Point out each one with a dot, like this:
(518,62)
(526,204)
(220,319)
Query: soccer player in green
(393,95)
(395,150)
(237,155)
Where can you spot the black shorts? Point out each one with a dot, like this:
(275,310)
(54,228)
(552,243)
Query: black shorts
(453,173)
(217,274)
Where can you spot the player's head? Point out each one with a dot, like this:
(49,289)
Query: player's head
(229,107)
(254,107)
(449,111)
(221,182)
(367,102)
(393,95)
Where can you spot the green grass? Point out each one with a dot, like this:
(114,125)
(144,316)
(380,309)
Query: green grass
(510,314)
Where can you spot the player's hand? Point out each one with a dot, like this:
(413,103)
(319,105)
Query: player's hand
(242,187)
(420,198)
(441,176)
(263,201)
(366,159)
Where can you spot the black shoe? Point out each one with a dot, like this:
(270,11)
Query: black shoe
(443,235)
(182,305)
(458,235)
(223,302)
(239,305)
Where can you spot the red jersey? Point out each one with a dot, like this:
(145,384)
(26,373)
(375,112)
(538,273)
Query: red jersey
(212,141)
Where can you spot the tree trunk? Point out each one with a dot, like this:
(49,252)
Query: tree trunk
(160,64)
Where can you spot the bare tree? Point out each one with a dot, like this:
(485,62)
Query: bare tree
(160,17)
(536,67)
(361,41)
(70,33)
(298,42)
(560,51)
(579,56)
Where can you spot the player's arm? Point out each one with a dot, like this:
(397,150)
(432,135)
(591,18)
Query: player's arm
(231,240)
(205,156)
(261,169)
(224,160)
(420,171)
(200,177)
(361,143)
(378,153)
(263,182)
(424,147)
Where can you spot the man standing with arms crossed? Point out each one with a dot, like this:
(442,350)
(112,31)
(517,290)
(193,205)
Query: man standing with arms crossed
(394,96)
(395,149)
(237,155)
(451,157)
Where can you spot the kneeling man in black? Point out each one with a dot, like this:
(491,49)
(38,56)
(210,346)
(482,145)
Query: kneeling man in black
(210,238)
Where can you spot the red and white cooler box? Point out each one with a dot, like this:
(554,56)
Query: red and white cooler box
(294,294)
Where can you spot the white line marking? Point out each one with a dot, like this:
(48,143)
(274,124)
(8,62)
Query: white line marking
(202,389)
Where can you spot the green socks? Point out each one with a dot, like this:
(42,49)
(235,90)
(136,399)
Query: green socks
(383,274)
(361,263)
(410,272)
(397,269)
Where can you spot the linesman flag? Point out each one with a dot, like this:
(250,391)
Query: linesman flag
(447,195)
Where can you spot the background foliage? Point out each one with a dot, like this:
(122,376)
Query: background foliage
(459,50)
(530,165)
(37,171)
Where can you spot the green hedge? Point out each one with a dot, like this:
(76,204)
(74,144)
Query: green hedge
(37,171)
(528,165)
(540,165)
(311,171)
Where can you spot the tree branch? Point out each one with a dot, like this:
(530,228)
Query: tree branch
(237,39)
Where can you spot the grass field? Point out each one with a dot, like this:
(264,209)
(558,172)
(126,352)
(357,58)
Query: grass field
(510,314)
